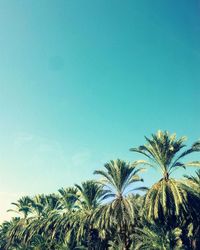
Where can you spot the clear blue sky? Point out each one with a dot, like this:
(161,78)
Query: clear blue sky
(83,81)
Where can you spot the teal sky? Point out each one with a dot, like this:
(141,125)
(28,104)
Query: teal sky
(83,81)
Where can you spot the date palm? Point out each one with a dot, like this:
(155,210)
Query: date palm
(44,204)
(155,238)
(194,182)
(89,196)
(68,198)
(22,206)
(118,179)
(165,153)
(6,236)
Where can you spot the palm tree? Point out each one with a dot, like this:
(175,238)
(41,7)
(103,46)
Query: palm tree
(192,223)
(14,235)
(194,182)
(155,238)
(68,197)
(89,195)
(117,181)
(23,206)
(6,229)
(163,151)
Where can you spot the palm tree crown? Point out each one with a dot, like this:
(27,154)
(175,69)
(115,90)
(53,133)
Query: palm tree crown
(162,151)
(117,180)
(119,176)
(194,181)
(89,194)
(166,198)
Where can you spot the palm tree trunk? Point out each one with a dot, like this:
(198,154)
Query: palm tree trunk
(166,176)
(124,237)
(89,239)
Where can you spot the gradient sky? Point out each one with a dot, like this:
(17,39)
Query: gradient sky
(83,81)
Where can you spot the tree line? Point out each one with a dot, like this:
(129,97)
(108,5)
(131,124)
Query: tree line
(110,213)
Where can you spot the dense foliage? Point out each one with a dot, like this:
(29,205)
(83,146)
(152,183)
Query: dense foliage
(108,213)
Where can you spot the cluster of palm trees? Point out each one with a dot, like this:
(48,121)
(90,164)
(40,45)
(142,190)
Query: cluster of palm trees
(109,213)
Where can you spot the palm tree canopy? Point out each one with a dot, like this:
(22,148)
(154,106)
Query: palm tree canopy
(164,152)
(68,197)
(191,184)
(90,194)
(106,214)
(194,181)
(155,238)
(119,176)
(166,198)
(22,206)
